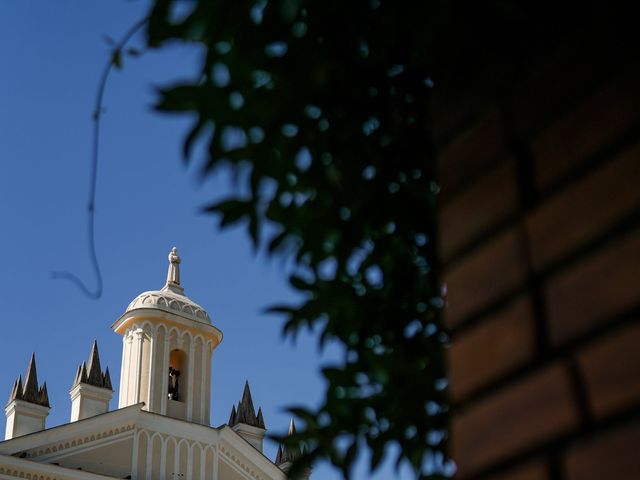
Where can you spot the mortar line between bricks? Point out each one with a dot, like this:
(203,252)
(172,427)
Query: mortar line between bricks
(528,199)
(445,141)
(626,225)
(627,140)
(559,445)
(555,470)
(578,386)
(562,353)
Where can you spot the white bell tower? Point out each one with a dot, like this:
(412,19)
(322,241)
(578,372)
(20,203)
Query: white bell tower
(168,342)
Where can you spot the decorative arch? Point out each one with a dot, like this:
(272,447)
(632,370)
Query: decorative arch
(142,452)
(209,457)
(155,444)
(174,336)
(148,327)
(171,447)
(186,335)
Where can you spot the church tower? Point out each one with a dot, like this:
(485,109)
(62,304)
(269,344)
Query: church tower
(168,342)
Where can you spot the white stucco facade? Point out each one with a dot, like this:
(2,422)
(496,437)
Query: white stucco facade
(161,427)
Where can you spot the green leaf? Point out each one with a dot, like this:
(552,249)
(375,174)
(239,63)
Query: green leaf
(231,211)
(116,59)
(345,218)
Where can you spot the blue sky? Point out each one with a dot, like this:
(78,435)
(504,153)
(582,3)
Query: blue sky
(148,200)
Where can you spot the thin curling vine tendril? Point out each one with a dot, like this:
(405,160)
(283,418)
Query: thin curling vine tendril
(114,61)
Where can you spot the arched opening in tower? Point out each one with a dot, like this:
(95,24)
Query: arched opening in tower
(176,389)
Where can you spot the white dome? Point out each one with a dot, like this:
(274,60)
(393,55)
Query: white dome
(171,297)
(172,302)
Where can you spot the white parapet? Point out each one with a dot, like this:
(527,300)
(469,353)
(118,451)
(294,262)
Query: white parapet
(89,401)
(24,418)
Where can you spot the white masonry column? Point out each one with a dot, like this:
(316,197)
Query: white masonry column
(163,458)
(125,375)
(149,465)
(203,459)
(190,460)
(203,388)
(138,368)
(122,369)
(152,372)
(134,459)
(165,374)
(191,363)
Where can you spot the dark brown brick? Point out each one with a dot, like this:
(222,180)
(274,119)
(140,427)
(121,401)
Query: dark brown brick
(588,128)
(611,369)
(563,79)
(492,348)
(484,275)
(537,470)
(471,151)
(585,209)
(604,284)
(522,416)
(613,455)
(492,198)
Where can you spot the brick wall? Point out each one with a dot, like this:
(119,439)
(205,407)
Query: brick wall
(540,245)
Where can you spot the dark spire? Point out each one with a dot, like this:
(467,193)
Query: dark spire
(76,379)
(83,373)
(246,412)
(106,379)
(261,419)
(16,391)
(287,453)
(92,374)
(30,392)
(43,395)
(233,416)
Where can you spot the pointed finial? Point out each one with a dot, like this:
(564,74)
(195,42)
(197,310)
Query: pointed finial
(246,411)
(43,396)
(106,379)
(260,420)
(16,392)
(232,417)
(173,274)
(30,392)
(246,394)
(78,376)
(288,453)
(92,374)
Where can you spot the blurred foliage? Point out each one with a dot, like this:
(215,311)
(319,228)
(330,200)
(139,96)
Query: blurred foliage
(320,107)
